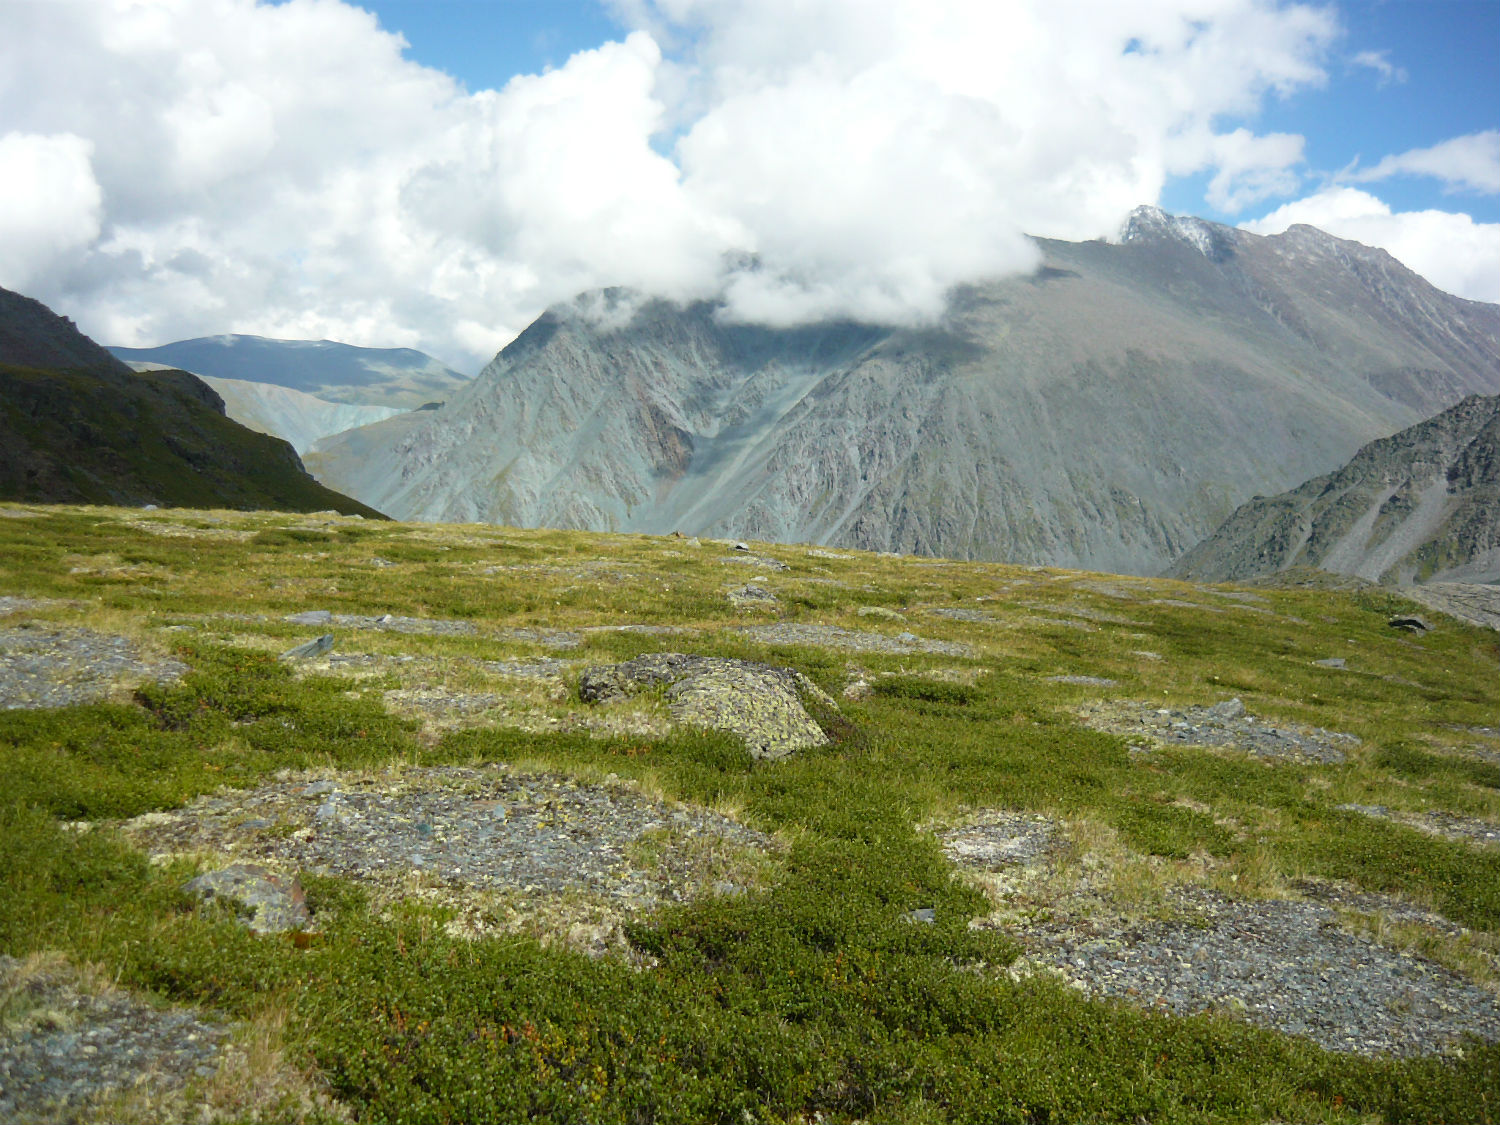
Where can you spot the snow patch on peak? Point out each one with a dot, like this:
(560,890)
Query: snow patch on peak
(1209,239)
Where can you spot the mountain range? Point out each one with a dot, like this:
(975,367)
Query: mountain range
(1107,411)
(337,373)
(78,425)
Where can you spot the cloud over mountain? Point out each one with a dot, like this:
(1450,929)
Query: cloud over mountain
(199,166)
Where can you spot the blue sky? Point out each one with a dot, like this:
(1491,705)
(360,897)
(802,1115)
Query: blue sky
(435,173)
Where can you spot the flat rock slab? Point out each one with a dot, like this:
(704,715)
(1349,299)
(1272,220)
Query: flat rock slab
(849,640)
(66,1043)
(759,703)
(44,666)
(1225,724)
(458,831)
(1281,965)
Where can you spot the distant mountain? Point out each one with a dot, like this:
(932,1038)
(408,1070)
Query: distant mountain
(78,426)
(1421,505)
(397,377)
(282,412)
(1107,411)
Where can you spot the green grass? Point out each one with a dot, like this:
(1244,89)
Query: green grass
(811,997)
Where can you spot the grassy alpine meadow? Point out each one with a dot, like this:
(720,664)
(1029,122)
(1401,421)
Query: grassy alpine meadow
(857,972)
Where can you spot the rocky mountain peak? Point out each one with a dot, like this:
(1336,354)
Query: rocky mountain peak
(1151,224)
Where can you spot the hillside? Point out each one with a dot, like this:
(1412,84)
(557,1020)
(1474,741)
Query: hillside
(77,425)
(307,818)
(1421,505)
(402,378)
(1109,411)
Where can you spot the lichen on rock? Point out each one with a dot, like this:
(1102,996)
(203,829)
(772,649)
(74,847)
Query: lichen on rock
(760,703)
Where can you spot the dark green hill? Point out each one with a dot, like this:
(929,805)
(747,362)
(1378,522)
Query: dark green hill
(77,425)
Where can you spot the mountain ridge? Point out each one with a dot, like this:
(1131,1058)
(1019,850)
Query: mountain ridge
(1107,411)
(1421,505)
(336,372)
(78,425)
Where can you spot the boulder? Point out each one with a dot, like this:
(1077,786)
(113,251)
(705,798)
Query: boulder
(759,703)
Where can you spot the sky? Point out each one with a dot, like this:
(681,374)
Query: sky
(436,173)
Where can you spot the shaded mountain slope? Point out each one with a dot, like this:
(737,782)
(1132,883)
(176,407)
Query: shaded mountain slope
(77,425)
(1423,504)
(1108,411)
(396,377)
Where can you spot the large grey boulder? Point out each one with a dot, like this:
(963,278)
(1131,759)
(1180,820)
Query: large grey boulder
(759,703)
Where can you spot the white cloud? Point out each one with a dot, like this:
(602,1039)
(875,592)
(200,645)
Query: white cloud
(49,203)
(1450,250)
(1470,162)
(1380,63)
(285,169)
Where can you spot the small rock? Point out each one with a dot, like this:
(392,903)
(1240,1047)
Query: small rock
(742,546)
(925,915)
(312,648)
(1332,662)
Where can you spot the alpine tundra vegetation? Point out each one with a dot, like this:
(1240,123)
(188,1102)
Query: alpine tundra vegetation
(568,826)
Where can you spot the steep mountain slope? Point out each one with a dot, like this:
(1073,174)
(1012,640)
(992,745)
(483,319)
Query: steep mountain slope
(396,377)
(76,424)
(292,415)
(1422,504)
(1107,412)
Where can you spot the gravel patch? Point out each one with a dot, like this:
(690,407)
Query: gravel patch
(1089,681)
(391,623)
(52,667)
(998,838)
(10,604)
(1450,826)
(64,1044)
(1226,725)
(452,834)
(850,640)
(546,638)
(1282,965)
(974,616)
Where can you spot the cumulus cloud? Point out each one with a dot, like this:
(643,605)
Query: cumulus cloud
(49,203)
(1470,162)
(204,166)
(1451,250)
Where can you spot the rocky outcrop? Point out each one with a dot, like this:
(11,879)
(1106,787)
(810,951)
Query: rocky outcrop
(758,703)
(1421,505)
(1106,412)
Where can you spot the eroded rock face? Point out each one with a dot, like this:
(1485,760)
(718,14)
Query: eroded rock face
(760,703)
